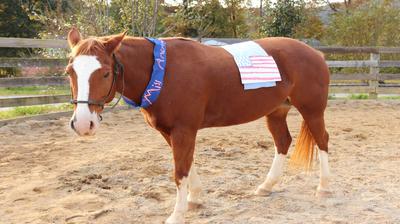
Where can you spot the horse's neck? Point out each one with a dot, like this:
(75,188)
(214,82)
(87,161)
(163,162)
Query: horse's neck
(136,55)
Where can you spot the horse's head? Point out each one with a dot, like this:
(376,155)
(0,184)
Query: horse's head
(92,78)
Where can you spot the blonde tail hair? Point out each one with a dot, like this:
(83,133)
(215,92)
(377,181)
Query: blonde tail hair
(303,154)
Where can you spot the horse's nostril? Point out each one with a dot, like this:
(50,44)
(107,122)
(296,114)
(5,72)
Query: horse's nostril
(91,125)
(71,123)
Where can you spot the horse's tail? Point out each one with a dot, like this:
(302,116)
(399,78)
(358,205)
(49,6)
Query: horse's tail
(304,149)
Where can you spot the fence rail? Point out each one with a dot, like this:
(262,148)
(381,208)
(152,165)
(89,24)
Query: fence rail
(33,100)
(32,62)
(34,81)
(32,43)
(372,82)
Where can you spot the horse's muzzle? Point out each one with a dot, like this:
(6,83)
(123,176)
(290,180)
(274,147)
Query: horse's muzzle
(85,126)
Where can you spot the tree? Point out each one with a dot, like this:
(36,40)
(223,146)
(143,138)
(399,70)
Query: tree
(16,22)
(140,17)
(237,21)
(281,17)
(370,24)
(56,17)
(373,23)
(311,26)
(346,4)
(193,19)
(208,19)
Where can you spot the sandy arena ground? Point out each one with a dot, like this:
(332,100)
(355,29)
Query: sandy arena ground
(124,173)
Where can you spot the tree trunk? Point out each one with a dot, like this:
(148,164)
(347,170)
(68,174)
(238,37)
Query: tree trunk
(145,22)
(154,20)
(133,16)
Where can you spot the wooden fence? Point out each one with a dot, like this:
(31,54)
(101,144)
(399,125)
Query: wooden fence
(372,82)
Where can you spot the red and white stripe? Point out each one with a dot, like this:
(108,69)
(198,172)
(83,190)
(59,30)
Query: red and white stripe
(262,69)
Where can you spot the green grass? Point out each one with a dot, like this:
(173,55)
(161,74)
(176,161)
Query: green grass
(34,90)
(389,97)
(33,110)
(332,97)
(359,96)
(363,96)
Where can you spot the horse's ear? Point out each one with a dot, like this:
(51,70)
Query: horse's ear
(73,37)
(113,43)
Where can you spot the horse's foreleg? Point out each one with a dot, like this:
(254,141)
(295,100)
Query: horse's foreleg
(278,127)
(194,188)
(182,143)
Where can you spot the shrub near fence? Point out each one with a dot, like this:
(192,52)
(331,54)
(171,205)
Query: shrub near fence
(371,82)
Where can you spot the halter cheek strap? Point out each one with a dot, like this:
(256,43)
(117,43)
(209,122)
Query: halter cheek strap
(118,69)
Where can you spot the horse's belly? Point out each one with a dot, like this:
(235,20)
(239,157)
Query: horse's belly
(243,106)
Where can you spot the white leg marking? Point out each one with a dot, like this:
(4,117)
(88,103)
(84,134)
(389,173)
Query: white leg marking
(84,66)
(194,186)
(274,174)
(181,205)
(324,171)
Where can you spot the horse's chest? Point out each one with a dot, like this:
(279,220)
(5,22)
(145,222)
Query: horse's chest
(153,121)
(149,119)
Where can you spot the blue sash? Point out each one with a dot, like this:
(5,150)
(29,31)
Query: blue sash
(155,85)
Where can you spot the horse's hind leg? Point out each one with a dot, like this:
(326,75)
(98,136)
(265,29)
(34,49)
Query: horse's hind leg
(312,111)
(316,125)
(277,125)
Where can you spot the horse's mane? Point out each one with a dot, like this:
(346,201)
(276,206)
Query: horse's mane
(88,46)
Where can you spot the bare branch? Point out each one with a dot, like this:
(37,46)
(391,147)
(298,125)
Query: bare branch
(166,30)
(333,7)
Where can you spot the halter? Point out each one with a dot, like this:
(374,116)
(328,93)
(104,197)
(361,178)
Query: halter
(117,69)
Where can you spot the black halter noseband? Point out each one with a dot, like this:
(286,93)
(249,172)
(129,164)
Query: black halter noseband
(117,69)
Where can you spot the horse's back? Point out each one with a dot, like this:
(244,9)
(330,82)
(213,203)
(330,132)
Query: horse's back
(295,58)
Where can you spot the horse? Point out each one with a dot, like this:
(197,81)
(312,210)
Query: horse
(202,88)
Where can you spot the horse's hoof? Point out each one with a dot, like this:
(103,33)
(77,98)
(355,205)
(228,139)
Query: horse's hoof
(262,192)
(323,194)
(175,219)
(194,205)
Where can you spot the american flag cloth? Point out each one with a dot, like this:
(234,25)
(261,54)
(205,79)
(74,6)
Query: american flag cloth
(257,69)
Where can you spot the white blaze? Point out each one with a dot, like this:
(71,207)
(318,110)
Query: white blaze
(84,66)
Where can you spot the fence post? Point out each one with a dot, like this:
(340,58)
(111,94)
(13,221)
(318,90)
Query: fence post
(374,70)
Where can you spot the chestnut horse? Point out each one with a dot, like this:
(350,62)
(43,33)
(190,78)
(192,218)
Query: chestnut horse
(202,88)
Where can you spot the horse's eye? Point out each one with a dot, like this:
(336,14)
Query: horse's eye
(106,75)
